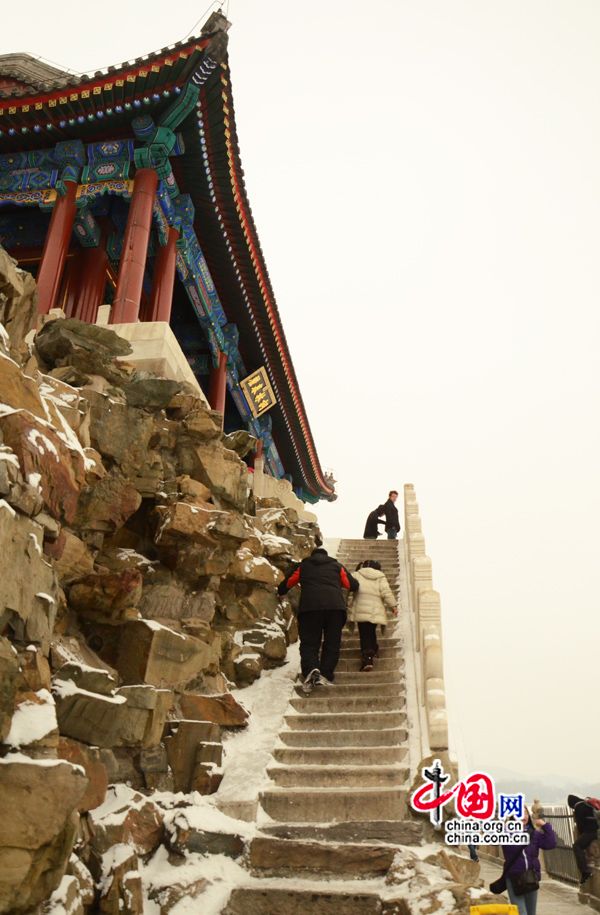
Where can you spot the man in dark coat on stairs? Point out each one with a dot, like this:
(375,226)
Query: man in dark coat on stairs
(373,522)
(392,519)
(321,613)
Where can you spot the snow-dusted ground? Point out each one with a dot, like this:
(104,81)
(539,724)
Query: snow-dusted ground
(246,754)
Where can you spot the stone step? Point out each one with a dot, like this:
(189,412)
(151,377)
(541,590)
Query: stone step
(349,664)
(388,832)
(282,856)
(363,687)
(385,651)
(385,641)
(339,756)
(336,704)
(338,776)
(343,721)
(324,805)
(377,737)
(282,900)
(347,677)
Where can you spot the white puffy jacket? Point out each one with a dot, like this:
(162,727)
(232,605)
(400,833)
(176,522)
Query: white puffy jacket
(374,595)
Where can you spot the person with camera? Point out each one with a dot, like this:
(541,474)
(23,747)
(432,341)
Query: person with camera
(522,871)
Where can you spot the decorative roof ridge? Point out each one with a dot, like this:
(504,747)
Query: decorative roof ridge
(45,78)
(263,279)
(31,70)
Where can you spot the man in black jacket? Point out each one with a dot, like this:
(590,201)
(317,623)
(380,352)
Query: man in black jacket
(321,613)
(373,522)
(392,519)
(587,828)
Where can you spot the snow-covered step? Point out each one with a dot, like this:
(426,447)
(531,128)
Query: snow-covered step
(319,703)
(344,677)
(385,641)
(387,832)
(280,856)
(385,651)
(334,721)
(284,900)
(375,737)
(339,756)
(363,687)
(324,805)
(379,776)
(380,663)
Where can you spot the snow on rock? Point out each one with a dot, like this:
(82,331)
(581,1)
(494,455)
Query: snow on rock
(33,720)
(42,443)
(15,757)
(7,454)
(221,873)
(8,508)
(65,899)
(203,814)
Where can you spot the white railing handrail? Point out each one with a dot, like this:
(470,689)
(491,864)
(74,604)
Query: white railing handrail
(425,608)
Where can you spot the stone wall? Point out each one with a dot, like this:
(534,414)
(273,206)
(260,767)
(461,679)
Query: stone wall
(427,625)
(138,584)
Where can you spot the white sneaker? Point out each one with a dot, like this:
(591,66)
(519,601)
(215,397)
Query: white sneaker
(311,681)
(323,681)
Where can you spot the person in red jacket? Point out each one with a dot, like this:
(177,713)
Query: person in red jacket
(321,613)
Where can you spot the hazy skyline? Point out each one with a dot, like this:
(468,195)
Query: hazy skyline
(426,189)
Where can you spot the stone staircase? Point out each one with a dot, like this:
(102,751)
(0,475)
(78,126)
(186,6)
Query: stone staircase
(336,808)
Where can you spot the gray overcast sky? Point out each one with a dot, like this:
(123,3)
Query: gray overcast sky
(424,176)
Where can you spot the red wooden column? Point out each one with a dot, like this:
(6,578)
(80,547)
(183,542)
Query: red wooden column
(218,384)
(92,282)
(56,247)
(126,305)
(163,280)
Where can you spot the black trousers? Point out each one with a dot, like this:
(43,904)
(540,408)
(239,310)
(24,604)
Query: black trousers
(368,638)
(320,638)
(579,847)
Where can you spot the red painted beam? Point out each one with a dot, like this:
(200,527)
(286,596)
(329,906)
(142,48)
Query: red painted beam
(163,281)
(56,246)
(126,306)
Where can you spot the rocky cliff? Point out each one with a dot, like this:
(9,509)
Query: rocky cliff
(138,585)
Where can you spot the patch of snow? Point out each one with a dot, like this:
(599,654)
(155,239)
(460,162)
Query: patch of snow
(8,455)
(125,554)
(34,480)
(42,443)
(32,720)
(246,755)
(43,596)
(152,624)
(36,543)
(113,858)
(13,758)
(8,508)
(5,410)
(64,688)
(119,800)
(57,904)
(222,873)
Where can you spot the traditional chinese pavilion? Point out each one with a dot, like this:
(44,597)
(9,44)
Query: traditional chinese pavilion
(126,189)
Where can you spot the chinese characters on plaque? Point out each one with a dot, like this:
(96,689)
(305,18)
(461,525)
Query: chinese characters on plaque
(258,392)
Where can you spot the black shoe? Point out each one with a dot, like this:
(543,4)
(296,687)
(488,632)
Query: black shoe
(311,681)
(585,877)
(367,662)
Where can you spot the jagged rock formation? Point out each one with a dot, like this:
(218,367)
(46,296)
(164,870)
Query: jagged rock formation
(138,583)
